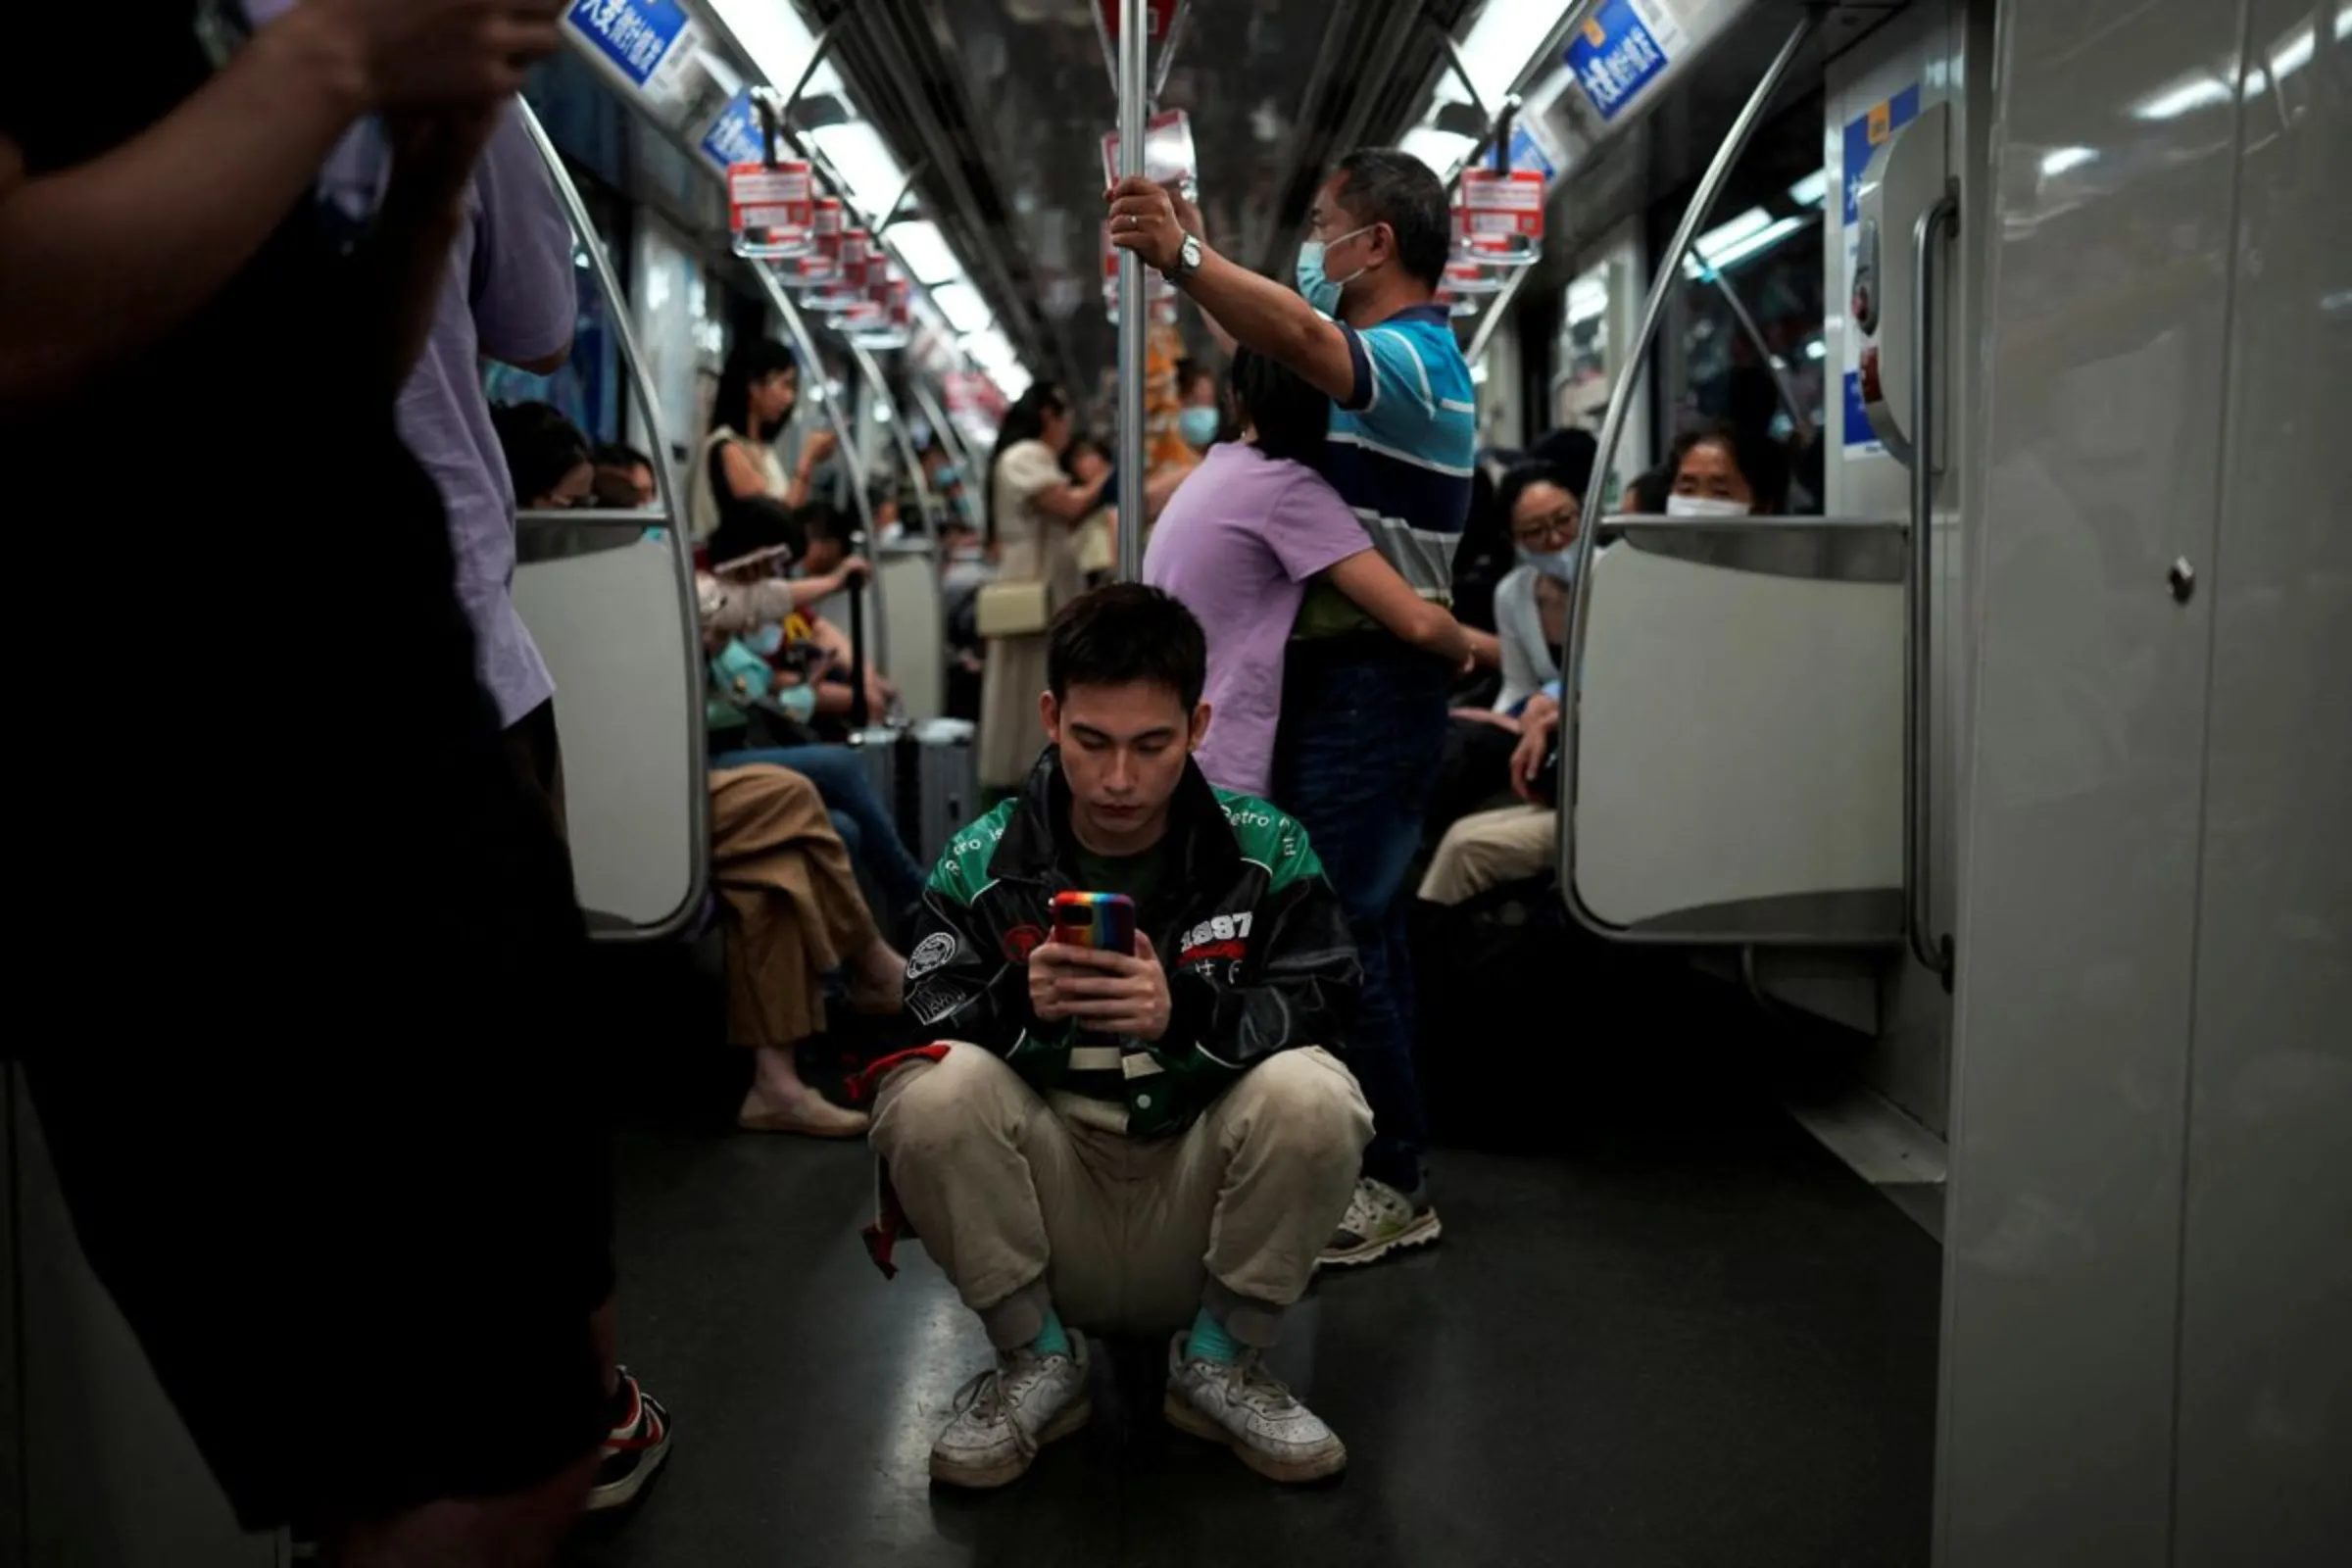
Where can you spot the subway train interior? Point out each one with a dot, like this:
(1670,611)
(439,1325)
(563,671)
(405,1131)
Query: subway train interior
(1893,1107)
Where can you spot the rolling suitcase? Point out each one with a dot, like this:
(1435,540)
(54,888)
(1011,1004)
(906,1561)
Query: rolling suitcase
(939,758)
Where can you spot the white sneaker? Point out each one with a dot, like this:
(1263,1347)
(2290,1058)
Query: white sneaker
(1252,1412)
(1380,1220)
(1009,1412)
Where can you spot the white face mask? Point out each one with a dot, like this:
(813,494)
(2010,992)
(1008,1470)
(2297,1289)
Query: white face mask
(1557,565)
(1705,506)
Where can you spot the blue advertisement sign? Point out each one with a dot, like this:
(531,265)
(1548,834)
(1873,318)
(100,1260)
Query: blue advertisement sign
(736,135)
(1858,432)
(1614,56)
(634,34)
(1864,134)
(1526,155)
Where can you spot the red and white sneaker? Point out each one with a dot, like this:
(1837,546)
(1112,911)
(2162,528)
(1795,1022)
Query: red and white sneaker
(634,1450)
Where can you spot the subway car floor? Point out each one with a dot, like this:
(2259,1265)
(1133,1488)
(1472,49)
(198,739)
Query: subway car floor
(1682,1334)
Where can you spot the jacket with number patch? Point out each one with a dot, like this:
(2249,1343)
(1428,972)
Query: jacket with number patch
(1257,951)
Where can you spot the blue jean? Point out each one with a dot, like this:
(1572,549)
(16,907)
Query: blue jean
(870,834)
(1363,737)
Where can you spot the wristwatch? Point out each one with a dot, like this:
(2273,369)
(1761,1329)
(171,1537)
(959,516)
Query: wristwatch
(1188,260)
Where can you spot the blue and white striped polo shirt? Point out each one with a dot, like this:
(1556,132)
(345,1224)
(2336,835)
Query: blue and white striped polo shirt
(1402,450)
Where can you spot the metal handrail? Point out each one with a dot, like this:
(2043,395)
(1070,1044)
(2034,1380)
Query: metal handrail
(1773,366)
(1612,432)
(924,501)
(667,503)
(548,519)
(1134,112)
(1919,669)
(803,343)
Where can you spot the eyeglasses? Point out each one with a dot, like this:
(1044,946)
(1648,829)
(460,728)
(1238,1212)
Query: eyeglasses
(1554,525)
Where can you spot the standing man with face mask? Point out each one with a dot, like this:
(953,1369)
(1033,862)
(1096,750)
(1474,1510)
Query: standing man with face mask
(1364,714)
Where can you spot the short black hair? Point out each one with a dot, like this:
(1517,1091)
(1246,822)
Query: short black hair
(1290,413)
(540,444)
(762,523)
(1761,461)
(1191,372)
(612,455)
(1126,633)
(1382,185)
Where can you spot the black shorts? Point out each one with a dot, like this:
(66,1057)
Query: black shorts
(362,1290)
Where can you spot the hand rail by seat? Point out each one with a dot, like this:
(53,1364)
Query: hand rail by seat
(1612,432)
(1919,669)
(666,504)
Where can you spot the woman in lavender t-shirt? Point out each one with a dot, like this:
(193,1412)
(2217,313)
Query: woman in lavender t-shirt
(1239,541)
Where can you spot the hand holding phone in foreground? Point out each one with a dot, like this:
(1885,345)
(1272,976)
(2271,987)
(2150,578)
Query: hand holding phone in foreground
(1107,993)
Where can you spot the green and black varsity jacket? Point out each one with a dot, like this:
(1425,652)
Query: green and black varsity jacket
(1258,955)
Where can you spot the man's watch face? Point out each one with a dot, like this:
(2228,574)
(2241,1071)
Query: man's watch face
(1188,255)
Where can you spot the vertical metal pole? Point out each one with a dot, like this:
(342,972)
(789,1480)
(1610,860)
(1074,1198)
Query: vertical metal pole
(1134,110)
(1612,429)
(925,501)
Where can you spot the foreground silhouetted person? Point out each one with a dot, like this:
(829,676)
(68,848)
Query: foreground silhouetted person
(1126,1144)
(305,1119)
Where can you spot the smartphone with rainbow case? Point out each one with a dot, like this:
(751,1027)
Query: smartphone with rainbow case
(1103,921)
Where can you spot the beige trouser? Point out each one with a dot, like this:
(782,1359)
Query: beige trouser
(1022,1207)
(1487,849)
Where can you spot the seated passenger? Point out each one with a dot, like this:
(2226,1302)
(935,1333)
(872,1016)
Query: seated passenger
(827,564)
(1724,470)
(624,477)
(1538,503)
(1512,843)
(1133,1144)
(1240,541)
(747,607)
(1530,603)
(793,917)
(547,455)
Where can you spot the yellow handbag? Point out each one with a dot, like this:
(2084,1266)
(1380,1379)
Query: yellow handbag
(1013,609)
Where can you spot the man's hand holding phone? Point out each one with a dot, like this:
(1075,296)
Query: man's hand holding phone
(1106,993)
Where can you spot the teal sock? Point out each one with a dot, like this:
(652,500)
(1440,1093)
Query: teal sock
(1050,1340)
(1211,1342)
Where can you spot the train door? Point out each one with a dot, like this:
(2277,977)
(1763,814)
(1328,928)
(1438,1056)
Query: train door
(1906,117)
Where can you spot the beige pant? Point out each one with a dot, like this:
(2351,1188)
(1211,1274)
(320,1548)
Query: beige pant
(1487,849)
(1022,1207)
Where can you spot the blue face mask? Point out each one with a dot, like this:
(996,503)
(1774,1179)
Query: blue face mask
(767,641)
(798,702)
(1198,427)
(1320,291)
